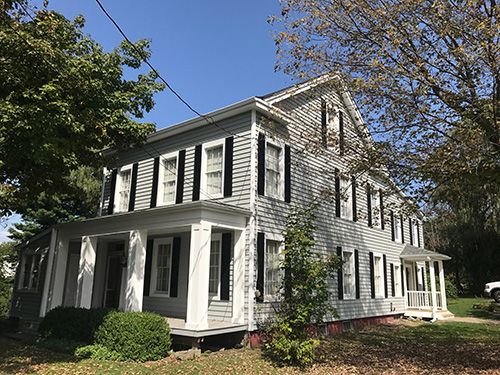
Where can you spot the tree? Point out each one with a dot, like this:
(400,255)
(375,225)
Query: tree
(426,76)
(8,261)
(63,100)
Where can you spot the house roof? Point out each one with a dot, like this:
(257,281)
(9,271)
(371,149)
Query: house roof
(417,253)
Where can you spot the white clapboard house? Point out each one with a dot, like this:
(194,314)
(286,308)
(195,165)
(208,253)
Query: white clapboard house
(191,223)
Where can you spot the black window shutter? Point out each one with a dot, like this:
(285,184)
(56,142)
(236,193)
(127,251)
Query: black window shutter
(392,281)
(261,167)
(181,167)
(424,281)
(341,133)
(382,222)
(197,173)
(402,279)
(416,276)
(112,190)
(402,228)
(410,231)
(147,267)
(356,272)
(369,204)
(340,278)
(392,226)
(372,274)
(386,289)
(133,187)
(337,193)
(225,265)
(228,167)
(154,189)
(260,265)
(174,275)
(324,129)
(354,204)
(288,169)
(418,234)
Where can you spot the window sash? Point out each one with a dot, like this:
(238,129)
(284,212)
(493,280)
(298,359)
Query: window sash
(169,180)
(345,198)
(397,281)
(124,190)
(273,170)
(214,268)
(348,270)
(30,271)
(376,213)
(397,227)
(213,169)
(272,280)
(161,270)
(378,272)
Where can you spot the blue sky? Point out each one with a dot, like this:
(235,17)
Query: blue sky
(213,53)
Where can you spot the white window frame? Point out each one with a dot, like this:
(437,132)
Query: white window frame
(118,185)
(161,178)
(346,192)
(376,211)
(332,123)
(215,237)
(379,293)
(30,287)
(352,266)
(397,281)
(397,227)
(207,146)
(281,246)
(414,237)
(281,184)
(154,270)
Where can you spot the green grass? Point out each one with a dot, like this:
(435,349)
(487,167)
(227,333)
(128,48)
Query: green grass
(463,307)
(444,348)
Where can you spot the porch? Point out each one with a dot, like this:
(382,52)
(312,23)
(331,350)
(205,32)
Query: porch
(185,262)
(424,284)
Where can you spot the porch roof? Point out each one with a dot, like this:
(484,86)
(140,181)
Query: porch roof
(411,252)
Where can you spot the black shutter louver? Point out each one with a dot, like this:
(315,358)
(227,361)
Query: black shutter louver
(369,204)
(197,173)
(410,231)
(340,278)
(372,275)
(337,193)
(147,267)
(356,272)
(112,190)
(154,188)
(228,167)
(393,290)
(324,128)
(181,167)
(260,266)
(354,203)
(386,289)
(288,169)
(418,234)
(424,281)
(174,274)
(392,226)
(261,164)
(341,133)
(225,266)
(402,228)
(382,219)
(133,186)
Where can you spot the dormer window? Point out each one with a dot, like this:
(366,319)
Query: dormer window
(123,188)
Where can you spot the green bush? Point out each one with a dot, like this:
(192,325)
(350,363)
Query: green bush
(99,352)
(71,323)
(136,336)
(451,287)
(289,350)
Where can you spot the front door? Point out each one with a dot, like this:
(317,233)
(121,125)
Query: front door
(113,280)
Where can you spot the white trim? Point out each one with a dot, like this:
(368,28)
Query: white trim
(101,205)
(300,87)
(252,226)
(124,168)
(161,171)
(398,238)
(204,194)
(381,293)
(154,271)
(350,250)
(48,272)
(281,146)
(215,237)
(397,280)
(348,213)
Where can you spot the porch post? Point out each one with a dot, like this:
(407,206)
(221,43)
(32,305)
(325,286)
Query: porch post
(48,272)
(405,284)
(86,272)
(136,260)
(442,285)
(58,271)
(433,288)
(199,263)
(239,277)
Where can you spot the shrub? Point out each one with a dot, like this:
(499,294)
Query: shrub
(137,336)
(96,351)
(71,323)
(451,287)
(59,344)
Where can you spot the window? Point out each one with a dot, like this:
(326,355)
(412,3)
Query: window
(30,266)
(123,190)
(214,270)
(376,212)
(169,181)
(213,170)
(378,271)
(397,227)
(348,274)
(397,281)
(273,171)
(162,267)
(273,273)
(414,229)
(345,198)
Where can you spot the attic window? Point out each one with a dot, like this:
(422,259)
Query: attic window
(332,125)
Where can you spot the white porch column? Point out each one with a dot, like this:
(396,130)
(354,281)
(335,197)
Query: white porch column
(86,272)
(136,260)
(442,286)
(199,263)
(48,272)
(239,277)
(56,291)
(405,284)
(433,288)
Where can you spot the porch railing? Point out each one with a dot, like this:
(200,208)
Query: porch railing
(422,299)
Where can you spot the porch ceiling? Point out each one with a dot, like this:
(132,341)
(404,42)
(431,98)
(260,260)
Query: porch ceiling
(416,253)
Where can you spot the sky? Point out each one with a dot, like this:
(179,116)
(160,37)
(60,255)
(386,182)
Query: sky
(214,53)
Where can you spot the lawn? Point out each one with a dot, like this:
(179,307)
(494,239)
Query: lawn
(441,348)
(464,307)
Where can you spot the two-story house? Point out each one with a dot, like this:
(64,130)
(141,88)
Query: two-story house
(191,223)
